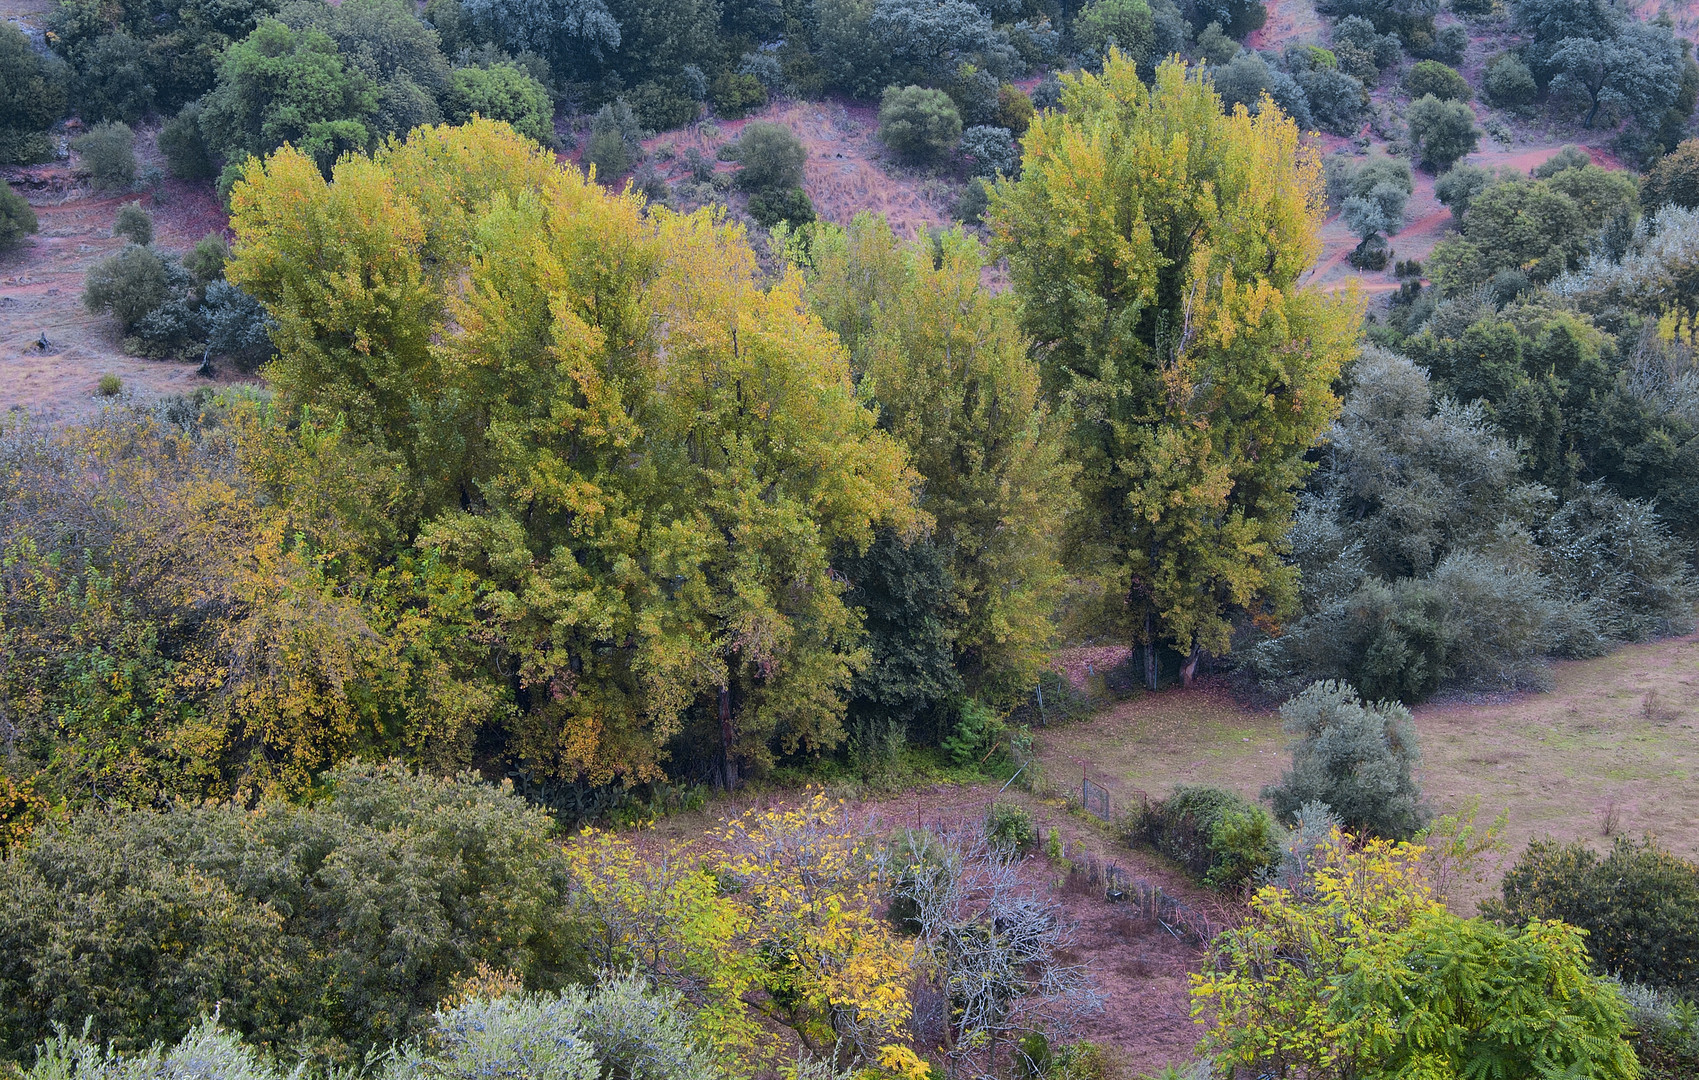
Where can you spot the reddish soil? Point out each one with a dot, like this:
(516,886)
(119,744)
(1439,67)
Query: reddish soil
(846,172)
(41,287)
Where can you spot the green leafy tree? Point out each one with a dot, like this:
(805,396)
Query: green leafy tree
(32,98)
(1636,73)
(130,285)
(399,54)
(17,219)
(919,125)
(1443,131)
(1353,970)
(949,370)
(278,86)
(1155,245)
(504,92)
(1674,180)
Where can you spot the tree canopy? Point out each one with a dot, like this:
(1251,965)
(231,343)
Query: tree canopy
(1155,245)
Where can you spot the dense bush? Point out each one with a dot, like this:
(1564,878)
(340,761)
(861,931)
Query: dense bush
(621,1027)
(1443,131)
(1362,51)
(1355,757)
(992,149)
(1459,186)
(734,94)
(133,224)
(336,925)
(1126,24)
(1435,78)
(1674,180)
(773,205)
(17,219)
(129,285)
(615,140)
(1217,836)
(32,98)
(108,153)
(1009,827)
(503,92)
(771,155)
(1639,905)
(1508,82)
(919,125)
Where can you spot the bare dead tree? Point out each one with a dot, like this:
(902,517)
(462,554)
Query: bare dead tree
(989,943)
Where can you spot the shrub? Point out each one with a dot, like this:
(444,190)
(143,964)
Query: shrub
(1639,905)
(185,149)
(378,898)
(772,157)
(1126,24)
(1217,836)
(108,155)
(505,92)
(1433,77)
(974,200)
(774,205)
(1674,179)
(919,125)
(110,385)
(17,219)
(129,285)
(133,224)
(615,137)
(1443,130)
(992,149)
(32,98)
(1458,188)
(1354,757)
(205,261)
(1014,109)
(736,94)
(1567,157)
(237,327)
(662,107)
(1509,84)
(1009,828)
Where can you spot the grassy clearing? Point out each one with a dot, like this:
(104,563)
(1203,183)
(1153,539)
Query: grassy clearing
(1612,749)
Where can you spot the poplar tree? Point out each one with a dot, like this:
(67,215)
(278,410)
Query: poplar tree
(1155,245)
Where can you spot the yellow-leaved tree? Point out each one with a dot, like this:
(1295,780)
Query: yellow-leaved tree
(1155,245)
(640,454)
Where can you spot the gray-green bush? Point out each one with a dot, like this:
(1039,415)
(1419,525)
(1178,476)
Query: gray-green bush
(1353,756)
(918,125)
(108,153)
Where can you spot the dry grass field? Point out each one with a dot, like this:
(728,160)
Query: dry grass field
(1612,749)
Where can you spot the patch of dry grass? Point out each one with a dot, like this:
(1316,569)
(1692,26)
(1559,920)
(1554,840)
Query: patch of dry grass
(1613,748)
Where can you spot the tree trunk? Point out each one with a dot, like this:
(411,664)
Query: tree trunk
(1189,669)
(1149,651)
(729,775)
